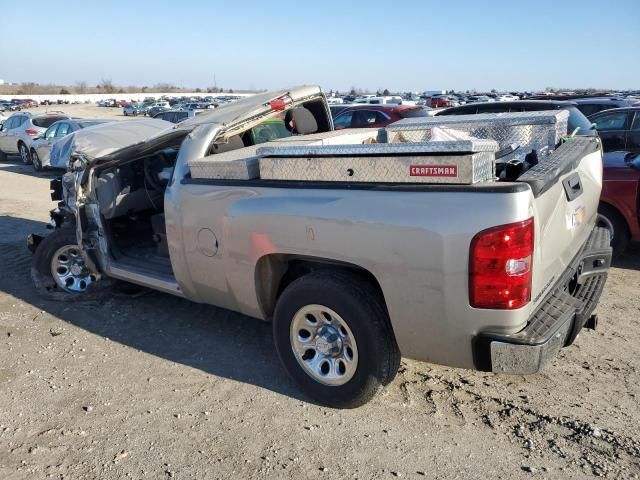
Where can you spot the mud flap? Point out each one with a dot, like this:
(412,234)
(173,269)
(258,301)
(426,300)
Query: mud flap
(33,241)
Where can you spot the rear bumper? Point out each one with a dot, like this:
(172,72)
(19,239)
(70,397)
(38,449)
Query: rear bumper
(558,319)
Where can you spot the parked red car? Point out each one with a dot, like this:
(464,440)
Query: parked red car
(620,196)
(373,116)
(439,102)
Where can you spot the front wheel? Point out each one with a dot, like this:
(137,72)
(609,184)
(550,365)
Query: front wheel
(334,338)
(59,270)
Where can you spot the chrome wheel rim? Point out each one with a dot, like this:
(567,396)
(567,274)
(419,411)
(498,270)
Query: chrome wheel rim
(324,345)
(70,271)
(24,154)
(606,223)
(35,159)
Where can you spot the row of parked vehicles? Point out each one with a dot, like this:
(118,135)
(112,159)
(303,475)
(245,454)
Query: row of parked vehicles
(154,108)
(17,104)
(592,103)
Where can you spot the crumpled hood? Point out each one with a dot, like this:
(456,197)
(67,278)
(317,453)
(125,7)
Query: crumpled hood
(116,141)
(100,140)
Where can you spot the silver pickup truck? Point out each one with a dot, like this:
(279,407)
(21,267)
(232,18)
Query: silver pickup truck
(438,239)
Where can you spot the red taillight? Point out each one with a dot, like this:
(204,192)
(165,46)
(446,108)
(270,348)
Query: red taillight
(31,131)
(500,261)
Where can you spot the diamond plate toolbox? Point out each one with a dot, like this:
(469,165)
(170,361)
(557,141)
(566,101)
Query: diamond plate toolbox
(540,131)
(456,162)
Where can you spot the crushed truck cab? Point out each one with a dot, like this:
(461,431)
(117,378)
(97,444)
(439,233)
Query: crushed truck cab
(466,241)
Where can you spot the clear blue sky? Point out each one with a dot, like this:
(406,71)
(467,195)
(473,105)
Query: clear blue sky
(401,45)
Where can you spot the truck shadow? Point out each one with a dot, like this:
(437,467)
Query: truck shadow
(213,340)
(630,260)
(15,165)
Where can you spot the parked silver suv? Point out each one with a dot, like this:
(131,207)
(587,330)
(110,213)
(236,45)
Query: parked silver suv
(19,130)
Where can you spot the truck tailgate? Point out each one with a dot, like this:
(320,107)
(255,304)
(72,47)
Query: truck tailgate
(566,189)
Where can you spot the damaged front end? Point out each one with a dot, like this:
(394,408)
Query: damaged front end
(78,152)
(63,191)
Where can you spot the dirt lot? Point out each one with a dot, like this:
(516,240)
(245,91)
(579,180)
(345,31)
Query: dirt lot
(156,387)
(82,110)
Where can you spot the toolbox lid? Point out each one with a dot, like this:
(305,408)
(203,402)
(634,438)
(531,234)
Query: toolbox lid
(544,117)
(381,149)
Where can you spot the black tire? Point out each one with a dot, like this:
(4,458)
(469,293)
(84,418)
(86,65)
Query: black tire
(25,156)
(360,306)
(42,275)
(610,218)
(35,160)
(3,156)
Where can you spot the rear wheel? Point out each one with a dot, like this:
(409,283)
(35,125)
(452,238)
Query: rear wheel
(610,218)
(3,156)
(37,164)
(24,153)
(334,338)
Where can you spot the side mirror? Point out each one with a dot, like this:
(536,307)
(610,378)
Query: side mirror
(594,126)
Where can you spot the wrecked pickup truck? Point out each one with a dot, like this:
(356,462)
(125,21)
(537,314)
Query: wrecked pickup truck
(467,241)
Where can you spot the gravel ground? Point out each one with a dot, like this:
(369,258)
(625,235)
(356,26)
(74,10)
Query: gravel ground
(82,110)
(152,386)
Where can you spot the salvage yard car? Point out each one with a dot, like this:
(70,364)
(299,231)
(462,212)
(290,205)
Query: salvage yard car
(369,116)
(619,129)
(19,130)
(620,200)
(360,245)
(41,146)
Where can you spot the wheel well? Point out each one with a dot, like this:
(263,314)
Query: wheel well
(613,210)
(275,272)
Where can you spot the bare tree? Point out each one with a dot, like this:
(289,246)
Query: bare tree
(26,88)
(164,87)
(81,86)
(107,85)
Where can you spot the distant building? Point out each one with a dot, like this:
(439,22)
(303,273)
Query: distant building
(1,82)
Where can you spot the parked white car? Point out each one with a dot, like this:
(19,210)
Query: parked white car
(507,98)
(382,100)
(20,129)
